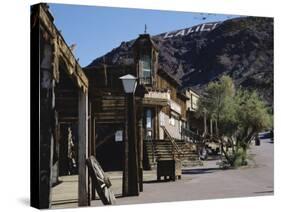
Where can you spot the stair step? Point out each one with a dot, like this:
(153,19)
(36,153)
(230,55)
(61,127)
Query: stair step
(163,150)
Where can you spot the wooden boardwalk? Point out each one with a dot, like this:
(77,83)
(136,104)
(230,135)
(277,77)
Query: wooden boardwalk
(66,192)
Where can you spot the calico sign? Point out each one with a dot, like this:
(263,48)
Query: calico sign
(206,27)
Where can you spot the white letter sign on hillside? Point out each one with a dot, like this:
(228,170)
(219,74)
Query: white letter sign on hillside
(167,35)
(206,27)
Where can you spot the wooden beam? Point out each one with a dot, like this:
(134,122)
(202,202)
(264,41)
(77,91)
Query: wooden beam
(156,124)
(140,146)
(89,148)
(110,121)
(83,149)
(46,124)
(93,150)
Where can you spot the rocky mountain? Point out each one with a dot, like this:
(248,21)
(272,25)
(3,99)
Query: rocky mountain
(241,48)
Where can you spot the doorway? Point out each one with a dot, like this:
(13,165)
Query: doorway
(110,146)
(65,149)
(149,124)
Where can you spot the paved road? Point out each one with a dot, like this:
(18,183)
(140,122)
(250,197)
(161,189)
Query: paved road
(207,182)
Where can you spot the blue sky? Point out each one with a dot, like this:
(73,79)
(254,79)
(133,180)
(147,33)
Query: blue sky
(97,30)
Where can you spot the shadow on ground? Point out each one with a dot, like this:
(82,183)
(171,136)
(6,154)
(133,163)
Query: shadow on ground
(64,201)
(200,171)
(157,181)
(264,192)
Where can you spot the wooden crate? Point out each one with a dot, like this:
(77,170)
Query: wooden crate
(169,168)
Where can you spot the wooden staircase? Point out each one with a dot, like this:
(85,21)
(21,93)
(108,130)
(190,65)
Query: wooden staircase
(170,148)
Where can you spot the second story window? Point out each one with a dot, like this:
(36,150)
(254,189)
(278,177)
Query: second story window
(145,69)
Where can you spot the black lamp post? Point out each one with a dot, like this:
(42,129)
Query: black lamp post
(131,169)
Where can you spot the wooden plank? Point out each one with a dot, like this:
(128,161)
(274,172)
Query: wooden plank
(93,151)
(46,125)
(104,117)
(159,102)
(140,146)
(114,97)
(113,108)
(89,148)
(83,149)
(110,121)
(110,113)
(112,102)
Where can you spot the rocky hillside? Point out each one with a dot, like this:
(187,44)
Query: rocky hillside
(241,48)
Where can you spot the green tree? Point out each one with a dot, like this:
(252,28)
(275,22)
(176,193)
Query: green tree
(239,116)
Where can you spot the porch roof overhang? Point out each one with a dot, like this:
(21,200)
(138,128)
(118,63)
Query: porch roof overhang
(62,51)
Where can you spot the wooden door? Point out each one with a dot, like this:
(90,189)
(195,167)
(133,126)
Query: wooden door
(149,124)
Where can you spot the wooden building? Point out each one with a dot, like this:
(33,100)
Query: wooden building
(84,112)
(161,106)
(59,145)
(194,123)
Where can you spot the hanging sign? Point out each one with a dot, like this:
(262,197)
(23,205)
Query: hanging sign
(119,135)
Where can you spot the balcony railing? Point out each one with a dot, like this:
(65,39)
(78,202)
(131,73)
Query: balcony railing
(145,80)
(158,95)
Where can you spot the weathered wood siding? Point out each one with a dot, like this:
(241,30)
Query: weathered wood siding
(164,83)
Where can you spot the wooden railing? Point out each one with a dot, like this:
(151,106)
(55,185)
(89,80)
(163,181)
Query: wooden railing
(192,135)
(176,151)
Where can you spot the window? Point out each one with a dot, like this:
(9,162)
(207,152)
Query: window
(145,69)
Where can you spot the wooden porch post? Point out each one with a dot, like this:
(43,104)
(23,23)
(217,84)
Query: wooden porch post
(89,149)
(93,149)
(156,121)
(82,148)
(131,171)
(140,147)
(46,142)
(46,121)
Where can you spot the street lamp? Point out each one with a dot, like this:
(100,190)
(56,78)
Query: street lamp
(131,166)
(129,83)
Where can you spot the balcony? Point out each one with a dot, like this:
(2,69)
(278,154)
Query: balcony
(157,97)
